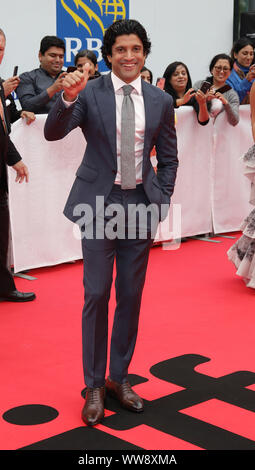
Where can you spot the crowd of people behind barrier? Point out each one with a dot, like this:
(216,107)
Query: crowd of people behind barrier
(226,88)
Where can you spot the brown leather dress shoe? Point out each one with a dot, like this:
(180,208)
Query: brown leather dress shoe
(93,410)
(126,396)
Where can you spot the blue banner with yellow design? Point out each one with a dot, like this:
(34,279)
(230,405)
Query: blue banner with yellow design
(82,23)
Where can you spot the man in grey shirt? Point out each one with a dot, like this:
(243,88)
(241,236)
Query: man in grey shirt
(39,89)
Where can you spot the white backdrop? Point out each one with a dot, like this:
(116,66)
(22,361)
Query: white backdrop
(230,190)
(189,30)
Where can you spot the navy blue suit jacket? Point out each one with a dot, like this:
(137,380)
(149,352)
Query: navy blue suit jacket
(95,113)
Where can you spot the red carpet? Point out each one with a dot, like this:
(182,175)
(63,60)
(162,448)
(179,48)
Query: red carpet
(193,363)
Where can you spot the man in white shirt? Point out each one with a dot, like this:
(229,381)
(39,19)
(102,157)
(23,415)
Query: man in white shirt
(122,118)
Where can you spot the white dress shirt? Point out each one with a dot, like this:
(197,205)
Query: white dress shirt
(137,98)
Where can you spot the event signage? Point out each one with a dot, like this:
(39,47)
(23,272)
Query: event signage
(82,23)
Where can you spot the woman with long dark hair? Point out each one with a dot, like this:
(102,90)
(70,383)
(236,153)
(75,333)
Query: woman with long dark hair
(243,72)
(178,85)
(146,75)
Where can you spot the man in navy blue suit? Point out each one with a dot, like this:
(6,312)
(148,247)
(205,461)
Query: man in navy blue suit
(122,118)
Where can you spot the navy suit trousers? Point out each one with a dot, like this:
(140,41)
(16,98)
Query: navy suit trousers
(131,256)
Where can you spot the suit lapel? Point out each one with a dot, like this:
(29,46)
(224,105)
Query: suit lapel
(152,110)
(106,103)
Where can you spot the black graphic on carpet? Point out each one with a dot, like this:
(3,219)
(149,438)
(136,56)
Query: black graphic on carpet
(164,414)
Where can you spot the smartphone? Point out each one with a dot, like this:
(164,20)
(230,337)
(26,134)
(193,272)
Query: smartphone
(160,83)
(223,89)
(71,69)
(15,71)
(205,86)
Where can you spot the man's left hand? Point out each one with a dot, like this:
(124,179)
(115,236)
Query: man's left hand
(22,172)
(28,115)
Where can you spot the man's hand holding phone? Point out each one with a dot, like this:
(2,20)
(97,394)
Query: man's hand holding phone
(11,83)
(57,85)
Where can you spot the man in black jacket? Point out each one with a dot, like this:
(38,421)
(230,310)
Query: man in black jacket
(10,156)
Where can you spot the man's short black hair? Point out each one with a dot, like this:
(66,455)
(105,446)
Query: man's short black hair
(51,41)
(119,28)
(86,53)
